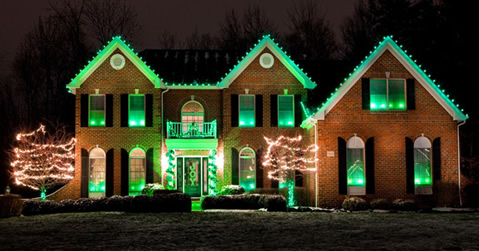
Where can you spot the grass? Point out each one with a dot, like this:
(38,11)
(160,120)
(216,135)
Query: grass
(244,230)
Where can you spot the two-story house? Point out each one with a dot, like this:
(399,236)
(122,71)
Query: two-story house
(195,120)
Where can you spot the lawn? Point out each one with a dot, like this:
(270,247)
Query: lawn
(241,230)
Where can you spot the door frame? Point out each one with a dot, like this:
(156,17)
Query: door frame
(202,168)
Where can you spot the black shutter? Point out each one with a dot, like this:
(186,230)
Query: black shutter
(409,165)
(298,112)
(124,110)
(85,172)
(148,110)
(234,110)
(274,110)
(149,166)
(298,178)
(109,173)
(411,96)
(436,159)
(109,110)
(370,166)
(259,168)
(84,110)
(342,166)
(125,176)
(366,93)
(234,166)
(259,111)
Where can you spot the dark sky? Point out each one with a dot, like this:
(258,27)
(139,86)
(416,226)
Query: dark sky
(17,17)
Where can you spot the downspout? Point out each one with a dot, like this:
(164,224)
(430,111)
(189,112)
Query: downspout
(162,135)
(459,162)
(316,167)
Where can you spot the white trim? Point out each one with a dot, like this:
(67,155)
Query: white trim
(95,194)
(266,56)
(422,142)
(112,61)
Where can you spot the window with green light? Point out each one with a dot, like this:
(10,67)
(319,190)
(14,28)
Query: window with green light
(422,162)
(355,162)
(285,111)
(96,187)
(247,169)
(136,113)
(137,171)
(387,94)
(246,111)
(97,110)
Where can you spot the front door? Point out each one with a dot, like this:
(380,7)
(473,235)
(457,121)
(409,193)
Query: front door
(192,176)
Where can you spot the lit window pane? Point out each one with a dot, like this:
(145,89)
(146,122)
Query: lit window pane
(247,170)
(246,113)
(96,185)
(397,98)
(137,172)
(379,97)
(285,111)
(422,167)
(137,111)
(97,111)
(355,167)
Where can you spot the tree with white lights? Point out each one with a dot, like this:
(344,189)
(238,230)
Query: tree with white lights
(286,155)
(41,160)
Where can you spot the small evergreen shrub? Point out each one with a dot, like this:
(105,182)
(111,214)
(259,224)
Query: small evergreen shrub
(119,203)
(66,206)
(275,203)
(141,204)
(355,204)
(382,204)
(250,201)
(231,190)
(31,207)
(10,205)
(150,188)
(404,205)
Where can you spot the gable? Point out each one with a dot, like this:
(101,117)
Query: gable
(387,45)
(279,55)
(116,44)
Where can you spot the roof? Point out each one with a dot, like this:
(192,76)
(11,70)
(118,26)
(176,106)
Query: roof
(114,44)
(419,74)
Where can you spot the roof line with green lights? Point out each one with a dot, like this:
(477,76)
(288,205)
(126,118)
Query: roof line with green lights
(102,55)
(406,60)
(267,42)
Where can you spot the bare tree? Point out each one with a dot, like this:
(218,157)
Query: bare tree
(199,41)
(168,40)
(40,160)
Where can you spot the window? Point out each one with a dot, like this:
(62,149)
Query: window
(422,162)
(246,111)
(97,110)
(247,169)
(137,171)
(388,94)
(136,116)
(355,162)
(285,110)
(96,186)
(192,112)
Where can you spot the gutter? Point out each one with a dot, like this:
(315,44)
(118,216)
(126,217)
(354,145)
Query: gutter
(316,167)
(459,162)
(162,134)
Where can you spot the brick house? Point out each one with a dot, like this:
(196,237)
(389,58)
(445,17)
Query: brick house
(387,132)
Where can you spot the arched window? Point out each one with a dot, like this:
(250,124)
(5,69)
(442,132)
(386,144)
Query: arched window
(191,112)
(137,171)
(422,162)
(355,164)
(97,169)
(247,169)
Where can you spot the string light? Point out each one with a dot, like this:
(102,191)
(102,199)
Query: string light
(170,172)
(40,161)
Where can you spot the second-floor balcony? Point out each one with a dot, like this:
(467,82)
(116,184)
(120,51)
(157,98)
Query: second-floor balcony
(191,130)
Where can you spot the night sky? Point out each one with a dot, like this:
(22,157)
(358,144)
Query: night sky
(17,17)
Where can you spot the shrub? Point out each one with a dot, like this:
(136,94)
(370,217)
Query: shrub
(164,192)
(174,202)
(119,203)
(472,195)
(141,203)
(381,204)
(264,191)
(355,204)
(231,190)
(10,205)
(150,188)
(404,205)
(275,203)
(33,207)
(82,205)
(66,206)
(250,201)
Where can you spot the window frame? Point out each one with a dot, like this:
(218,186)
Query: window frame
(293,110)
(239,110)
(144,110)
(200,127)
(129,168)
(104,110)
(356,189)
(239,166)
(387,95)
(102,193)
(423,143)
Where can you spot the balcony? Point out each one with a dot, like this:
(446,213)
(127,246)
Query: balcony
(191,130)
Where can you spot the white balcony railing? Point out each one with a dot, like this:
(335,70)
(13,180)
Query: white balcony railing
(191,129)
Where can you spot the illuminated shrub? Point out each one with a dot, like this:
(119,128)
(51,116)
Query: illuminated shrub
(149,189)
(381,204)
(231,190)
(355,204)
(404,205)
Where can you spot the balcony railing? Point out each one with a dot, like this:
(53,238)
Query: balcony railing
(190,130)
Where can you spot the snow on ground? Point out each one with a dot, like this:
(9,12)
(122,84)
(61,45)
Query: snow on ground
(241,230)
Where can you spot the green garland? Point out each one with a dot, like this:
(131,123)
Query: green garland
(212,168)
(170,172)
